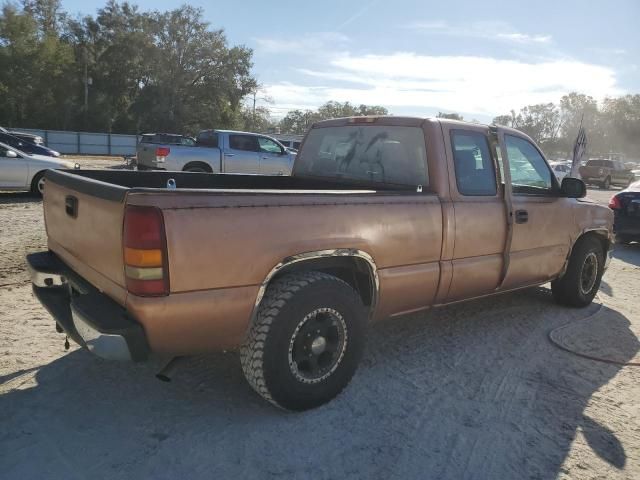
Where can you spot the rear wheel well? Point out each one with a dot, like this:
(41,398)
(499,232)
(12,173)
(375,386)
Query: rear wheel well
(197,165)
(355,271)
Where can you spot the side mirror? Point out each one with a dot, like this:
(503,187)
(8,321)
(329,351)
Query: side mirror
(573,188)
(11,154)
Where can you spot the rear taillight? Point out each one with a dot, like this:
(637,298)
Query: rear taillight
(145,252)
(161,153)
(614,203)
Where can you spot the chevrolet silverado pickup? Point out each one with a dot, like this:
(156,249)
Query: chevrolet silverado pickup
(382,216)
(215,151)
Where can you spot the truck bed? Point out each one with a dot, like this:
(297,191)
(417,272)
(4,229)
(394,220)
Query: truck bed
(114,184)
(225,233)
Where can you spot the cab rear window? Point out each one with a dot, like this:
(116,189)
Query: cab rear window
(378,154)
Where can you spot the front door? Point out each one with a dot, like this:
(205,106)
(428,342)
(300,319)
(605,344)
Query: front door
(539,244)
(274,159)
(480,215)
(241,154)
(14,171)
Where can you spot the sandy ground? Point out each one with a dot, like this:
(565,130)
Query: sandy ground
(475,390)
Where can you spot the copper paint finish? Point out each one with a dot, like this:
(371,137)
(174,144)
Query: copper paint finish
(225,246)
(195,322)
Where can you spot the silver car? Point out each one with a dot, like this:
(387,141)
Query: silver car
(21,171)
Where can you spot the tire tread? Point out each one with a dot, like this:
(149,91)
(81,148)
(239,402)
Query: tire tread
(277,295)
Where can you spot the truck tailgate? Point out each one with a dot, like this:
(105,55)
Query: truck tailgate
(84,228)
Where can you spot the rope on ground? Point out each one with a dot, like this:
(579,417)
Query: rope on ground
(561,346)
(14,284)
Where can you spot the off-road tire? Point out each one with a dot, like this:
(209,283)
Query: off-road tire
(34,184)
(567,289)
(266,351)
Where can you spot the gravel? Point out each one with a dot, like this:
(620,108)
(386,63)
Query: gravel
(474,390)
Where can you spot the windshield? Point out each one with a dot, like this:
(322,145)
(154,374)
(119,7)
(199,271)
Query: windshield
(379,154)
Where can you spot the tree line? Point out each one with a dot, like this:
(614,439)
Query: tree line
(123,70)
(612,126)
(129,71)
(141,70)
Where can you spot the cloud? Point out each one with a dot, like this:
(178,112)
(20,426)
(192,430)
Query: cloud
(301,45)
(422,83)
(500,31)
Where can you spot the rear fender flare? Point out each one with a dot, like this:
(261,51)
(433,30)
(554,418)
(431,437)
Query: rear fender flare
(298,260)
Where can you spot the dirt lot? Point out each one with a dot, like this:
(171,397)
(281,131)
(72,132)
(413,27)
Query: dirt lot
(475,390)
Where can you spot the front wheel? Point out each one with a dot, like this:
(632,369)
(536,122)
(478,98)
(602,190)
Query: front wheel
(306,342)
(580,283)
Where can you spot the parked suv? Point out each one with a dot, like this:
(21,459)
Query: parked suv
(605,173)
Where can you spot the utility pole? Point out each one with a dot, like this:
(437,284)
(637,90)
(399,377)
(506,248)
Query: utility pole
(87,82)
(254,109)
(86,86)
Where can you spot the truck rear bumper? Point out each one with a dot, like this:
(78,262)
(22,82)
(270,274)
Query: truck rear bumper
(88,316)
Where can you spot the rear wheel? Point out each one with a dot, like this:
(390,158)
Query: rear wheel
(580,283)
(197,167)
(306,342)
(37,184)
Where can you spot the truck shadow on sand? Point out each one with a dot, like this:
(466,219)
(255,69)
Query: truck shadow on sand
(474,390)
(11,198)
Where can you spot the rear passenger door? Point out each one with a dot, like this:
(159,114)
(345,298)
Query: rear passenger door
(480,215)
(274,159)
(241,154)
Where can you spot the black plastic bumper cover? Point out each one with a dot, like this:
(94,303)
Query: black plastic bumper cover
(98,311)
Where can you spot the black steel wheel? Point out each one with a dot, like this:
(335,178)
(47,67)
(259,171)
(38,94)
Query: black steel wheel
(580,283)
(306,342)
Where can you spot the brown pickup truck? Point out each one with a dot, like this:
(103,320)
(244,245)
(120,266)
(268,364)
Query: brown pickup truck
(382,216)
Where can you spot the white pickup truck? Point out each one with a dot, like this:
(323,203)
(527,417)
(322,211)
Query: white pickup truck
(216,151)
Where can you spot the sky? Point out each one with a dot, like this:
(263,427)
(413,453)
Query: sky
(476,58)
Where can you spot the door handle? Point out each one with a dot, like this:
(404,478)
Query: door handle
(522,216)
(71,206)
(229,154)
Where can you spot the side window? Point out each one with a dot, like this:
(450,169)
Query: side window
(248,143)
(3,152)
(529,171)
(208,138)
(474,167)
(269,146)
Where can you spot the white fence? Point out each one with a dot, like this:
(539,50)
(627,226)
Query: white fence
(84,143)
